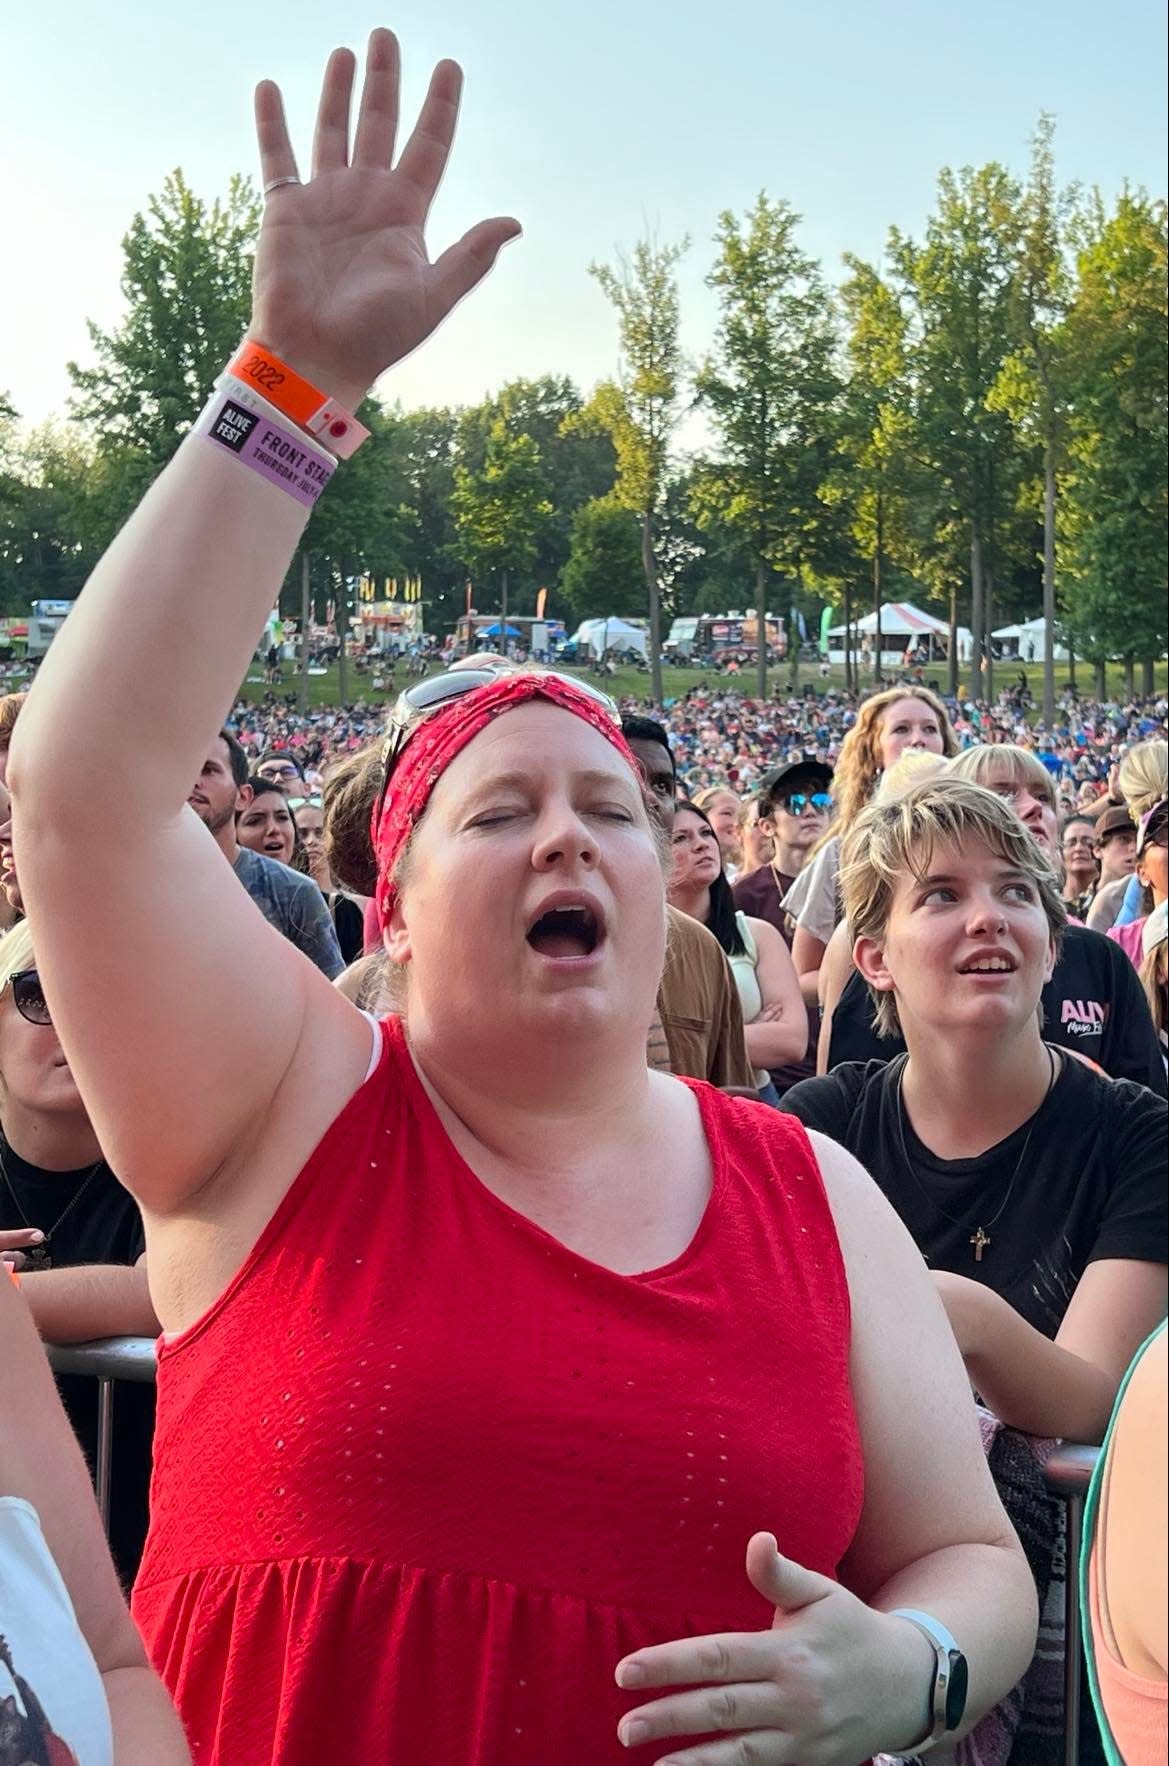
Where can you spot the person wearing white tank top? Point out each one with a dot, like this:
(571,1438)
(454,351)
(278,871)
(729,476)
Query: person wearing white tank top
(75,1687)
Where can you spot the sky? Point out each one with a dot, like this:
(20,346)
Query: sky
(594,124)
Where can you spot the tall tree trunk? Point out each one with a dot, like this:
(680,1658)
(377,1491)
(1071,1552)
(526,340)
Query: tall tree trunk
(1148,684)
(653,591)
(1101,680)
(978,681)
(761,574)
(306,614)
(952,670)
(878,556)
(849,671)
(503,613)
(341,621)
(988,620)
(1072,662)
(1130,677)
(1049,583)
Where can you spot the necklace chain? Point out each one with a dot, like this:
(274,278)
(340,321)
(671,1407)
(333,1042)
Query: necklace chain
(980,1238)
(40,1254)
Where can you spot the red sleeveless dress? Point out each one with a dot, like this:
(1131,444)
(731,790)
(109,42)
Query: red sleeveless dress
(423,1475)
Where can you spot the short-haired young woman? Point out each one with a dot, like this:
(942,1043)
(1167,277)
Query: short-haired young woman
(1034,1187)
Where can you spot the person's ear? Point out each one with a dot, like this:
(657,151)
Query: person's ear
(396,936)
(869,959)
(243,798)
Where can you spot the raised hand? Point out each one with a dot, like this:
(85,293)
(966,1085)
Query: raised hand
(832,1682)
(343,286)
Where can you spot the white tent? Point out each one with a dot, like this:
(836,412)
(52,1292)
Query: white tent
(1026,641)
(602,635)
(902,622)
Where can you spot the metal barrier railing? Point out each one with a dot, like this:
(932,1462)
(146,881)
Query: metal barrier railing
(115,1358)
(1068,1474)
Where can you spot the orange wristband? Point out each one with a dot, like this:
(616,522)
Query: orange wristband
(297,398)
(14,1278)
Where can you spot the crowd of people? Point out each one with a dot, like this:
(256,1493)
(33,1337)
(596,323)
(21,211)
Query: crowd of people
(626,1197)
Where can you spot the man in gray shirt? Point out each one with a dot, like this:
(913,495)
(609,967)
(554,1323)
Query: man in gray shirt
(288,901)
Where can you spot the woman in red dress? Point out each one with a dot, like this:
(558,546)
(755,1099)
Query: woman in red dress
(489,1353)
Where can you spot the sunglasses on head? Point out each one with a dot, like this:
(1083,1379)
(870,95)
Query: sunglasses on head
(28,996)
(426,696)
(306,803)
(798,803)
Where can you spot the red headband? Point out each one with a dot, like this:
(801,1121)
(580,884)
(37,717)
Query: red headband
(440,737)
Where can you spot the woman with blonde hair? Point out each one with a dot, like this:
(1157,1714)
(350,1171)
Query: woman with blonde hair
(723,806)
(887,725)
(1090,1002)
(1143,781)
(517,1402)
(1033,1185)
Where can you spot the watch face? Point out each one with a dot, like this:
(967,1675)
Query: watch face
(957,1689)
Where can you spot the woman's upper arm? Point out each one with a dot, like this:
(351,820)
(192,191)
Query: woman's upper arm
(926,1480)
(179,1007)
(776,973)
(41,1461)
(836,968)
(1117,1302)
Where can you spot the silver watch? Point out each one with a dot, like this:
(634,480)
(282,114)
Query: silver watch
(947,1699)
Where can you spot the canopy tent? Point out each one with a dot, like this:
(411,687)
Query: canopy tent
(902,622)
(496,631)
(603,635)
(1026,640)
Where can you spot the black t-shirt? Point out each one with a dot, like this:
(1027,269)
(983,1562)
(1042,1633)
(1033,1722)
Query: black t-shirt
(104,1227)
(1094,1004)
(1092,1185)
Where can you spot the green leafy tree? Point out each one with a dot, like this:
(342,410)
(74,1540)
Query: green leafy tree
(186,281)
(958,286)
(1114,508)
(771,389)
(1033,385)
(604,573)
(641,412)
(877,475)
(578,464)
(500,512)
(49,539)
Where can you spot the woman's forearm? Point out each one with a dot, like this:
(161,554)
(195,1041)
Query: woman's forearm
(776,1042)
(985,1596)
(158,641)
(1034,1385)
(94,1300)
(146,1730)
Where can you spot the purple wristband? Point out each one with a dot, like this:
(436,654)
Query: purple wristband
(280,455)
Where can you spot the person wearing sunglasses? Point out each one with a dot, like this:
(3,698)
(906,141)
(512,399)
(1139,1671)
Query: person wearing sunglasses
(507,1386)
(795,804)
(78,1232)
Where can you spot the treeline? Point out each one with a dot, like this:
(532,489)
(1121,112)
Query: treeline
(979,422)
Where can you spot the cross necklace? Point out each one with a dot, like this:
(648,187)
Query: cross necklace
(980,1237)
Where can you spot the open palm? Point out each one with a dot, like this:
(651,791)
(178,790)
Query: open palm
(343,284)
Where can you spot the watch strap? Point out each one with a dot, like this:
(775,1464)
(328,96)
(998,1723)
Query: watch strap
(949,1668)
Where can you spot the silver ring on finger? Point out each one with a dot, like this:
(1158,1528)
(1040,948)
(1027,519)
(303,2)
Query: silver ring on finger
(277,183)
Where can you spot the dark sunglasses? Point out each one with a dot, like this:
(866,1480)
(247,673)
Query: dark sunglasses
(427,696)
(799,803)
(28,996)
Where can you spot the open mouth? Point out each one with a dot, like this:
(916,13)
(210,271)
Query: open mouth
(989,966)
(565,932)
